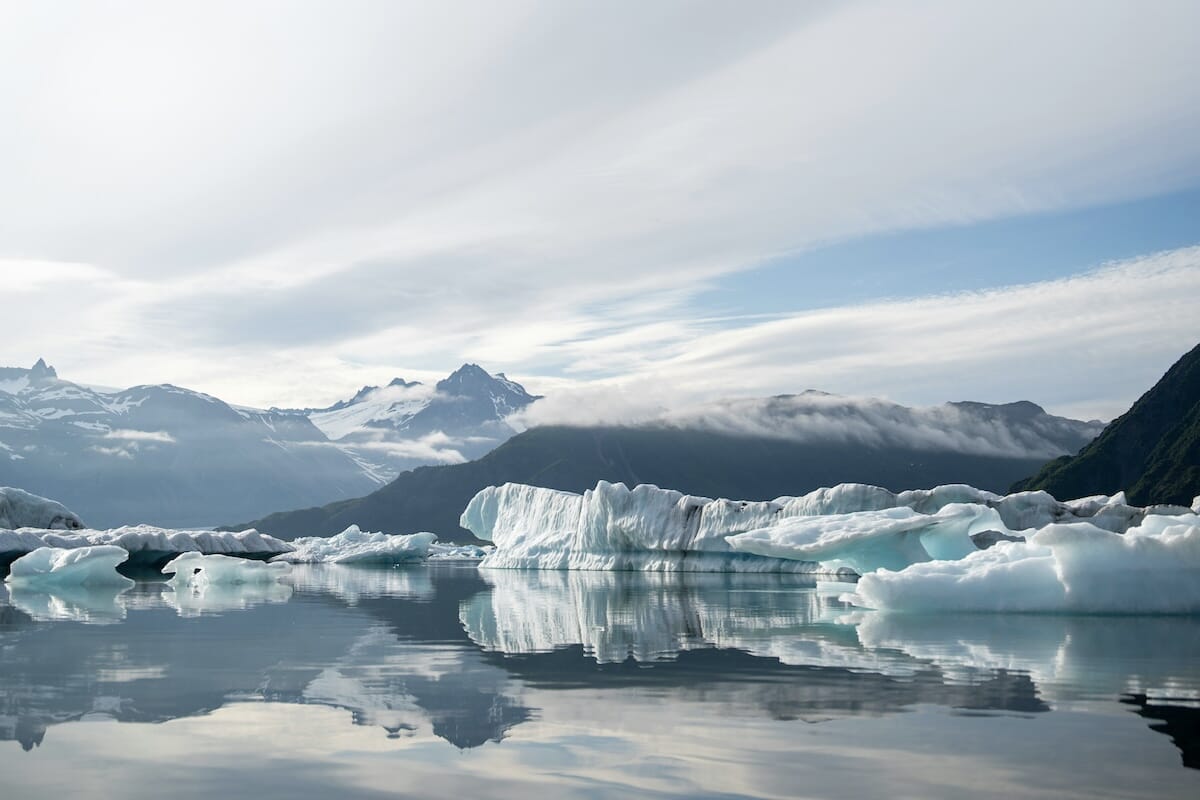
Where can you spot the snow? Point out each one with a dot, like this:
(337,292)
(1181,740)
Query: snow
(391,404)
(22,509)
(14,385)
(613,527)
(196,569)
(84,566)
(354,546)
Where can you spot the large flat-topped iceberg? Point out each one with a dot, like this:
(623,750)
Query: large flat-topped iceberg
(613,527)
(145,544)
(849,526)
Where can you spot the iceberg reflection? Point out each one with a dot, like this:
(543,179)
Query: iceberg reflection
(93,605)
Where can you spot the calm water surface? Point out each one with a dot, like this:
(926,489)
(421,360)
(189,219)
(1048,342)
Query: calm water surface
(443,681)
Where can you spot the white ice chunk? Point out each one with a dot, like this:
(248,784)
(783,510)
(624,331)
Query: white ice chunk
(888,539)
(457,552)
(354,546)
(1062,568)
(192,569)
(21,509)
(146,541)
(84,566)
(612,527)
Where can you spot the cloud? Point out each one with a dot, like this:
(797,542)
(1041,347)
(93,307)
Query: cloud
(118,452)
(159,437)
(283,222)
(1086,345)
(816,417)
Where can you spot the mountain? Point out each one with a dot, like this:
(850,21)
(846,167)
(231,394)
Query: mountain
(1152,452)
(160,454)
(784,445)
(405,424)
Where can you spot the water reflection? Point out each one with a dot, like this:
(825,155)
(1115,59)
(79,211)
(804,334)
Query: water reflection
(96,605)
(468,657)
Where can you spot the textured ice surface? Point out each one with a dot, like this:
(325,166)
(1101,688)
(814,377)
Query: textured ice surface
(354,546)
(862,527)
(457,552)
(145,542)
(84,566)
(1077,568)
(890,538)
(21,509)
(195,569)
(612,527)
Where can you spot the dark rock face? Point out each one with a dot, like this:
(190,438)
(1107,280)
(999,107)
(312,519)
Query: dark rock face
(1152,452)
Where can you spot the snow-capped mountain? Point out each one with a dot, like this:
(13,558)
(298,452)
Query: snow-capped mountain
(178,457)
(405,424)
(161,454)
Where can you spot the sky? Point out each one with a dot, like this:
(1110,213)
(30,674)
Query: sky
(618,204)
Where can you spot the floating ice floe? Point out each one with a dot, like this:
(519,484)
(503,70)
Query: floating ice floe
(612,527)
(354,546)
(146,545)
(457,552)
(1077,568)
(196,569)
(84,566)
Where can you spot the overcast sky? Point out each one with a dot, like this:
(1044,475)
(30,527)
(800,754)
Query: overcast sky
(278,202)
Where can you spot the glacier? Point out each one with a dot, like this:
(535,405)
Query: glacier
(82,566)
(355,546)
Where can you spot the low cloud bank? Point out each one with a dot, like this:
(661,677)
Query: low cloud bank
(1017,430)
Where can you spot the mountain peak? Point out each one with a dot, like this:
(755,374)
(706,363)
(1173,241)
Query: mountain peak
(403,383)
(42,371)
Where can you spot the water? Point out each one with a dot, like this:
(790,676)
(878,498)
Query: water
(443,681)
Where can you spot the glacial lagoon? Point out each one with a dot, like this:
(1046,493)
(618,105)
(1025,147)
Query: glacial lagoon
(441,680)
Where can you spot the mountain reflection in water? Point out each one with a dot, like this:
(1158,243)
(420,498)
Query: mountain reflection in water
(448,652)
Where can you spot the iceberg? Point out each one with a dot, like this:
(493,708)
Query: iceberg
(613,527)
(84,566)
(864,541)
(457,552)
(146,545)
(1077,568)
(196,569)
(849,526)
(22,509)
(354,546)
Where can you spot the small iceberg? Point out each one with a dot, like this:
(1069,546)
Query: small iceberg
(83,566)
(1076,568)
(195,569)
(355,546)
